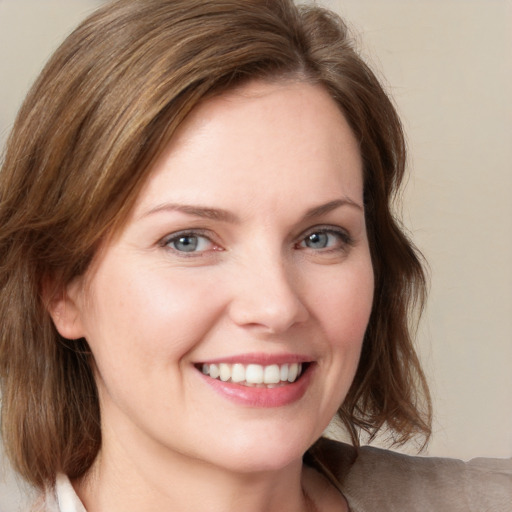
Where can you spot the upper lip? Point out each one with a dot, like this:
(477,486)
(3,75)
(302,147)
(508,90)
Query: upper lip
(260,358)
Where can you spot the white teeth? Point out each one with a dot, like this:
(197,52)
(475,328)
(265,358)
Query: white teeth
(254,374)
(238,373)
(293,370)
(224,372)
(271,374)
(214,371)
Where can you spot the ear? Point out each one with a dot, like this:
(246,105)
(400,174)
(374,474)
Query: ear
(64,306)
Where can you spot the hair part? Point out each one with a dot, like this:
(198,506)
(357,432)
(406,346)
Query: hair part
(81,149)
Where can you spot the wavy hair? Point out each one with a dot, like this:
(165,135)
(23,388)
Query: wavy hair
(81,149)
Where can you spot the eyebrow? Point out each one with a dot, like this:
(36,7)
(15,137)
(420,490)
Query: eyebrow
(196,211)
(219,214)
(317,211)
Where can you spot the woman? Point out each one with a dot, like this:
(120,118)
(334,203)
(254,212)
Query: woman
(200,268)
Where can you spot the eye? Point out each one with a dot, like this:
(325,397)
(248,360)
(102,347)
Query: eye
(325,239)
(186,242)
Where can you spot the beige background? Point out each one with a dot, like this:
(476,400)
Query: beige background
(448,64)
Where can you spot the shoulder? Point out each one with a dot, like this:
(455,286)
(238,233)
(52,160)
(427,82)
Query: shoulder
(376,479)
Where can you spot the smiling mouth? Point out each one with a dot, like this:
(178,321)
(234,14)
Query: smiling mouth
(255,375)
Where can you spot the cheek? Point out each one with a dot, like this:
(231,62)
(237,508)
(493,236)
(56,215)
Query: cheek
(345,304)
(148,318)
(342,309)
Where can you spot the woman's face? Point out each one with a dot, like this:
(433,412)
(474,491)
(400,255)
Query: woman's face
(245,255)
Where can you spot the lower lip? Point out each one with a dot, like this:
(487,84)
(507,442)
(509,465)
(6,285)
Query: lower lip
(262,397)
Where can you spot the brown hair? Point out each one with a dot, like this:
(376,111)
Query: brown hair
(81,149)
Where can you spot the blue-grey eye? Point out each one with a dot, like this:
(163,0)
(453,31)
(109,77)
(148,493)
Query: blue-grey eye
(189,243)
(317,240)
(323,240)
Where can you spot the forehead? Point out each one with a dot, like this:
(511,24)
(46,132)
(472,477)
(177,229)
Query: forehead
(262,138)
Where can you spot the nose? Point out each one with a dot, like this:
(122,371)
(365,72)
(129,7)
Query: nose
(266,297)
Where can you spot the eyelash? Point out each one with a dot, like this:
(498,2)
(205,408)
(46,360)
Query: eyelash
(174,237)
(344,238)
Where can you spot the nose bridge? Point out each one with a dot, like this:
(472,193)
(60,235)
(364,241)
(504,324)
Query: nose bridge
(266,293)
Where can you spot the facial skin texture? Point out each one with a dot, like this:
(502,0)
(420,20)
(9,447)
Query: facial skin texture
(266,155)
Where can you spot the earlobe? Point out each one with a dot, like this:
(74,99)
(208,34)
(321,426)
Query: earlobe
(63,306)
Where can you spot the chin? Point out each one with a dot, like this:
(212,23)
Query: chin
(262,453)
(261,464)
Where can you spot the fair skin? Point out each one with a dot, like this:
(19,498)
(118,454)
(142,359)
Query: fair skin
(248,248)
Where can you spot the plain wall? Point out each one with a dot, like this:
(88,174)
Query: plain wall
(448,65)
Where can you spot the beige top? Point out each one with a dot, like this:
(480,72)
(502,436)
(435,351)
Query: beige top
(375,480)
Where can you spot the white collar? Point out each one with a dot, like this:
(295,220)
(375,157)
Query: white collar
(65,498)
